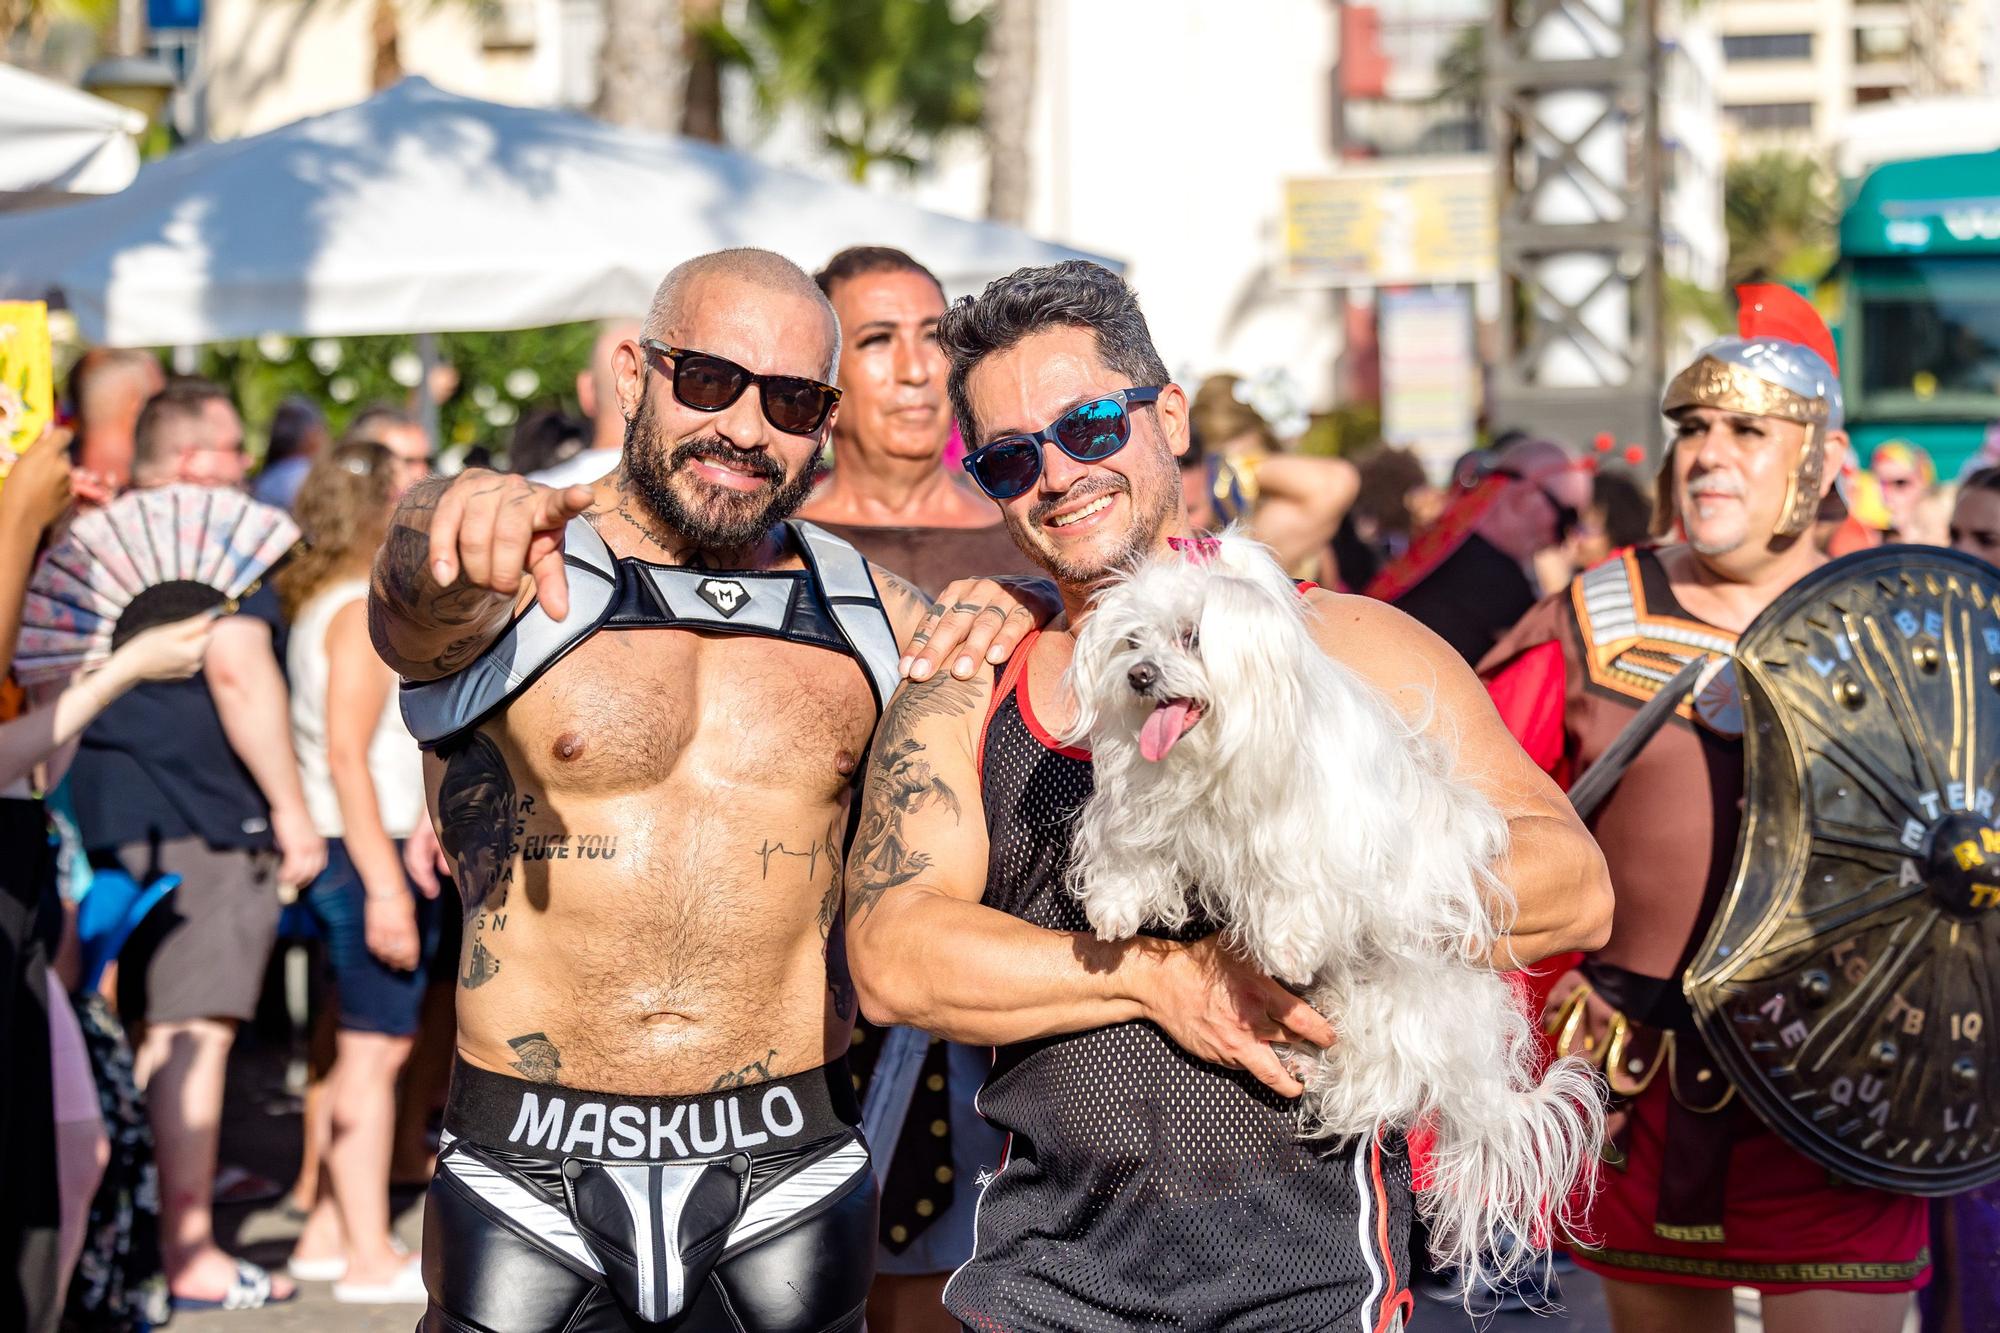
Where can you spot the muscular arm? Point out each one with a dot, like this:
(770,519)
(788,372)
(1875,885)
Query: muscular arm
(1561,887)
(923,949)
(421,628)
(926,952)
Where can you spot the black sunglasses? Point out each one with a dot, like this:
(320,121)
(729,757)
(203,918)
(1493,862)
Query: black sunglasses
(709,383)
(1567,518)
(1089,432)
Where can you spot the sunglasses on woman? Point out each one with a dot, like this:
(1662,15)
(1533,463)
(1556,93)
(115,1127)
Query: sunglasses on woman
(1089,432)
(709,383)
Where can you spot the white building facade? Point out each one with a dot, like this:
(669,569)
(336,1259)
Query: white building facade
(1795,70)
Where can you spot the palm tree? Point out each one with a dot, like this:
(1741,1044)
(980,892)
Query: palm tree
(885,79)
(1780,211)
(1010,86)
(640,64)
(32,19)
(701,100)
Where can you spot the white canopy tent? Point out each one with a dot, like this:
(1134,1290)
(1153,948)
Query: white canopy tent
(56,141)
(419,210)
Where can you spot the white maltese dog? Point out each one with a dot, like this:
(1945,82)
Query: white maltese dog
(1242,772)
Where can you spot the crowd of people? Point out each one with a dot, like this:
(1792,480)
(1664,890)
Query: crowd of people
(638,872)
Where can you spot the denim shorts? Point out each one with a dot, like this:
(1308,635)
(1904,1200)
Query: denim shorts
(373,997)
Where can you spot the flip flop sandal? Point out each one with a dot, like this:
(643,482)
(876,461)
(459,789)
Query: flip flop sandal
(236,1185)
(405,1288)
(330,1269)
(250,1290)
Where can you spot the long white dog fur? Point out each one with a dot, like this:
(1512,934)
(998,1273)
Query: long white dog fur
(1330,838)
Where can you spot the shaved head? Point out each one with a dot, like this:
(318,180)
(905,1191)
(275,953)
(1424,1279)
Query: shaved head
(761,269)
(113,383)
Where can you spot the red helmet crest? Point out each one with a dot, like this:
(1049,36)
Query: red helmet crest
(1771,310)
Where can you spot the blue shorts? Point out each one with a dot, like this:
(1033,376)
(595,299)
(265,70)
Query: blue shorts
(373,997)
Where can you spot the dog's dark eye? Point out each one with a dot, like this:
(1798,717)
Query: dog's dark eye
(1191,639)
(1131,644)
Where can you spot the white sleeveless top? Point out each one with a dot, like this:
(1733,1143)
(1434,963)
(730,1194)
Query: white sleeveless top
(394,762)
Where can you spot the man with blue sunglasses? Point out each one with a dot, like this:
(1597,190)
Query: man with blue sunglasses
(1155,1177)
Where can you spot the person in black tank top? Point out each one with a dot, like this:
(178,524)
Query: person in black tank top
(1155,1177)
(1142,1184)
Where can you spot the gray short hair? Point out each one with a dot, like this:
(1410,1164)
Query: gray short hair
(1073,294)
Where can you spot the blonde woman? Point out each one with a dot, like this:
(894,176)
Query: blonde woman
(364,788)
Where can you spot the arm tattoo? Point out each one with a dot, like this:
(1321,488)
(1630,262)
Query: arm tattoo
(479,826)
(540,1061)
(757,1071)
(421,630)
(902,782)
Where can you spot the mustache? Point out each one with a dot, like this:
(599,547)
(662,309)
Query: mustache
(1087,489)
(1714,485)
(711,450)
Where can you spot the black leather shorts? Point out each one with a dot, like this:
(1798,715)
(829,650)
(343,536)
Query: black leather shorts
(747,1211)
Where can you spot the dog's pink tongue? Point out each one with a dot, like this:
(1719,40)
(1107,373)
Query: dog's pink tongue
(1167,724)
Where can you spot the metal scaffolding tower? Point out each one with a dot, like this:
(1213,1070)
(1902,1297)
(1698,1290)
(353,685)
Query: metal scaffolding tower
(1575,94)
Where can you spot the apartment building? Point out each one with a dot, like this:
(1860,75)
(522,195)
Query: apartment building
(1795,70)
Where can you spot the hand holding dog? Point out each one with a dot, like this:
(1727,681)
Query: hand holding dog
(1219,1007)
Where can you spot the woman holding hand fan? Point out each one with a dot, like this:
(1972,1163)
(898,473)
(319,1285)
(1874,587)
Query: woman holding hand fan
(364,786)
(48,1103)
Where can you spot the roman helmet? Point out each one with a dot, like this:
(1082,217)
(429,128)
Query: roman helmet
(1781,363)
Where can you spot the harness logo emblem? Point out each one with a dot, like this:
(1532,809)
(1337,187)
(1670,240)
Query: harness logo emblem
(725,595)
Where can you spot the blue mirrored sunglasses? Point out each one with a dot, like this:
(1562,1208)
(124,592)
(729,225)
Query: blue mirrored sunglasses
(1089,432)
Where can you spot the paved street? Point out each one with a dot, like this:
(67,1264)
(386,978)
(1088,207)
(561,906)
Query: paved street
(261,1131)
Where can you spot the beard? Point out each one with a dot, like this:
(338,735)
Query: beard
(1119,552)
(715,519)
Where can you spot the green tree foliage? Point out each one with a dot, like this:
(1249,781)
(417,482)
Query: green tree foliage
(502,377)
(1461,70)
(885,80)
(1781,211)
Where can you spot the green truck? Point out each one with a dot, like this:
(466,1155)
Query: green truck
(1920,334)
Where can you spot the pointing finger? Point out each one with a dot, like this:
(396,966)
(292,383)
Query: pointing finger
(555,508)
(545,565)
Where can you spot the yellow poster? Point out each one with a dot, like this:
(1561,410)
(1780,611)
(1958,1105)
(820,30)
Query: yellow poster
(1431,222)
(27,380)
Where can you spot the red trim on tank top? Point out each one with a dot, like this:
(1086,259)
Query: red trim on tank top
(1024,696)
(1014,680)
(1394,1299)
(1002,685)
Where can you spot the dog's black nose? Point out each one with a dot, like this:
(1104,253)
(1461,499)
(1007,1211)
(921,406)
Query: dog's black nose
(1143,677)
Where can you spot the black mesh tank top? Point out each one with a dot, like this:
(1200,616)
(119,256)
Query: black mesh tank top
(1143,1188)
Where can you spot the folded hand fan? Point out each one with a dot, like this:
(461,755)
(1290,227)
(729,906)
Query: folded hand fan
(148,557)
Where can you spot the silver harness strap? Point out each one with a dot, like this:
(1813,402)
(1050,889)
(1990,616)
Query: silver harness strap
(831,604)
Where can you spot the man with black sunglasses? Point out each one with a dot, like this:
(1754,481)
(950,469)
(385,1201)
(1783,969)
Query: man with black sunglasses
(1472,575)
(1156,1177)
(650,1118)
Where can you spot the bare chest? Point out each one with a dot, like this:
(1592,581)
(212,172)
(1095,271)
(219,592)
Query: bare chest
(633,709)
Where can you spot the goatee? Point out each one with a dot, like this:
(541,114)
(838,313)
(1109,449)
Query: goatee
(722,520)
